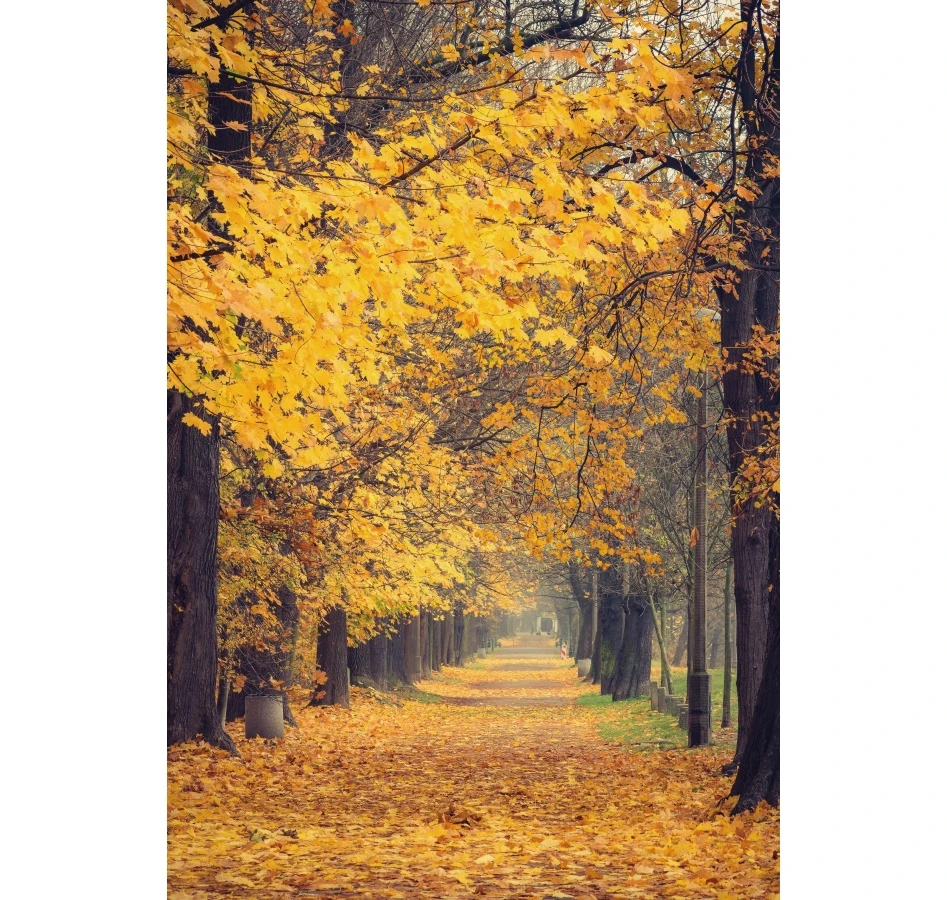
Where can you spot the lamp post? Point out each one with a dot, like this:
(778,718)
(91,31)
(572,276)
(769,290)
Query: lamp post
(698,687)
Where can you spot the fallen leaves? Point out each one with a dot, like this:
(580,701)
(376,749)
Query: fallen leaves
(441,800)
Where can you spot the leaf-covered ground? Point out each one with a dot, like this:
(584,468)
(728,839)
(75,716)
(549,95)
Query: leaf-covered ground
(504,789)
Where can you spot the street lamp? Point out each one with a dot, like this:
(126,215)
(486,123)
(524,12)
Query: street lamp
(698,681)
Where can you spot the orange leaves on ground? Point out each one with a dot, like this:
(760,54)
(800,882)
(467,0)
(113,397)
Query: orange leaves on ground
(458,800)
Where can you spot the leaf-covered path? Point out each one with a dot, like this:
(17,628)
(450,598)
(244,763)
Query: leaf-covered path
(503,789)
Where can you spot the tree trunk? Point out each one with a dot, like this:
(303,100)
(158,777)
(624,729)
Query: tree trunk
(727,648)
(714,648)
(662,649)
(583,598)
(398,666)
(412,649)
(425,643)
(613,626)
(594,676)
(437,645)
(633,678)
(758,776)
(223,694)
(468,647)
(360,662)
(459,630)
(378,660)
(449,638)
(750,389)
(193,511)
(682,642)
(332,654)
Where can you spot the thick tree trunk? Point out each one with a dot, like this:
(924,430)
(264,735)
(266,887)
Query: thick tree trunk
(468,647)
(425,643)
(758,776)
(449,632)
(460,626)
(750,391)
(194,499)
(437,644)
(360,662)
(332,658)
(633,678)
(193,511)
(412,649)
(682,642)
(613,626)
(582,594)
(595,672)
(398,667)
(378,660)
(727,648)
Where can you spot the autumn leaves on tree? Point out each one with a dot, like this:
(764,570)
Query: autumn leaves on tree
(433,272)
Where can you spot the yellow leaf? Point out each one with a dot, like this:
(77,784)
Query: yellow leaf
(203,427)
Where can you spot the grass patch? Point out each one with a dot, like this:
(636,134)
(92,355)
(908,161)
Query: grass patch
(634,724)
(408,692)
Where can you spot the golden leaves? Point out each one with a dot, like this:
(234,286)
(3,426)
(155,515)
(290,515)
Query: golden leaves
(355,801)
(203,427)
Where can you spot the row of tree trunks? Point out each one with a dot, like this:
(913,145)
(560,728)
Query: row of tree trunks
(633,677)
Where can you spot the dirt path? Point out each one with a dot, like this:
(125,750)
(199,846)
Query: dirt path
(504,790)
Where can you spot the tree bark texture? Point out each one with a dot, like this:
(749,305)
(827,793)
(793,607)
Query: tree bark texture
(460,625)
(437,645)
(193,512)
(332,658)
(194,498)
(412,649)
(378,660)
(595,672)
(582,594)
(727,649)
(360,662)
(449,631)
(750,391)
(398,654)
(425,643)
(633,678)
(613,626)
(758,776)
